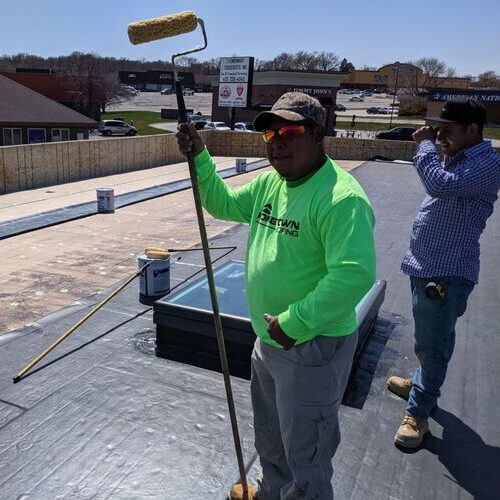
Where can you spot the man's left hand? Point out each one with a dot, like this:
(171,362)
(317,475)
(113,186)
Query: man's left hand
(276,333)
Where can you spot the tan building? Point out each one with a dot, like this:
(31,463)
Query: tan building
(366,79)
(268,86)
(408,77)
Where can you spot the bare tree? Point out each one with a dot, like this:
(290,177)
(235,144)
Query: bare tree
(487,79)
(328,61)
(109,91)
(426,73)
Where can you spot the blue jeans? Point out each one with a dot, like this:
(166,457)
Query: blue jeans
(435,320)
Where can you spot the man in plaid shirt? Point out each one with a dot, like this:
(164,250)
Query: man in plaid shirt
(443,259)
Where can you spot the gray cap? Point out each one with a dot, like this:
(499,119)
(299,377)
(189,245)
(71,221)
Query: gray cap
(293,107)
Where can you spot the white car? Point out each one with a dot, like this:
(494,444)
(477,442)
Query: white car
(356,98)
(388,111)
(216,126)
(243,127)
(187,91)
(116,127)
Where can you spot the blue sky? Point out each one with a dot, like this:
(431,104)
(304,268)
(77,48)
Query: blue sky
(464,34)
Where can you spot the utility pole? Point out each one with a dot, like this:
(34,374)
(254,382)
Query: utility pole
(396,64)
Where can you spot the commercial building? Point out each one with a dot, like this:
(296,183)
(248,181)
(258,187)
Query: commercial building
(155,81)
(408,77)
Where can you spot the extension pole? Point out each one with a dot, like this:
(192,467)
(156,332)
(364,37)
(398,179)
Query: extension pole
(28,367)
(213,293)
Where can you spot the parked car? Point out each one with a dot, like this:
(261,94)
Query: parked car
(116,127)
(198,120)
(243,127)
(388,111)
(216,126)
(128,89)
(340,107)
(356,98)
(187,91)
(166,91)
(397,134)
(374,111)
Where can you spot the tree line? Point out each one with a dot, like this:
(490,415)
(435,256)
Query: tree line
(78,63)
(95,78)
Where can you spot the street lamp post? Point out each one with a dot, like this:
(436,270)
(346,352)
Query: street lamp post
(396,64)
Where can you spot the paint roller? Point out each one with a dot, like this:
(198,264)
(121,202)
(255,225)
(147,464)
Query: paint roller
(166,27)
(162,27)
(156,29)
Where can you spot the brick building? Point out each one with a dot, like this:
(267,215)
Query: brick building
(60,88)
(27,117)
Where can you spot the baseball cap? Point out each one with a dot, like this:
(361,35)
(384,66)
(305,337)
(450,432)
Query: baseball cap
(293,107)
(461,110)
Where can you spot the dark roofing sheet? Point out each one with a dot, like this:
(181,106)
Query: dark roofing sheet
(102,417)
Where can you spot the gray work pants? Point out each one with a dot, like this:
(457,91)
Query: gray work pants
(296,396)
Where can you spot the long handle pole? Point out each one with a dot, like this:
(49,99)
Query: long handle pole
(29,366)
(213,296)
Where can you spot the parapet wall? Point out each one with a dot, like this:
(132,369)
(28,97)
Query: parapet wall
(246,144)
(38,165)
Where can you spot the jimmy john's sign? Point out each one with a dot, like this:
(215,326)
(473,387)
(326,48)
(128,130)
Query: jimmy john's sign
(235,81)
(313,91)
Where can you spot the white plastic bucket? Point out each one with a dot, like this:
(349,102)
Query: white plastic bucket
(105,199)
(155,279)
(241,165)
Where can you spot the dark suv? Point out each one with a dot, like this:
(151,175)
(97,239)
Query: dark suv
(397,134)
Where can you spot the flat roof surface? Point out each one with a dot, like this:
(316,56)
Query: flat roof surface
(103,417)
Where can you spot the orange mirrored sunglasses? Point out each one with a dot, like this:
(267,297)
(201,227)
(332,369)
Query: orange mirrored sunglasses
(287,133)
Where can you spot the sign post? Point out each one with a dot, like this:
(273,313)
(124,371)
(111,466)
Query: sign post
(235,83)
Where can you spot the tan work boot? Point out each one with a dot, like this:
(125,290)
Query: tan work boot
(236,492)
(400,386)
(411,432)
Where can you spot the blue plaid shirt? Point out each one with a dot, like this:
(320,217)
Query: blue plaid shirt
(461,192)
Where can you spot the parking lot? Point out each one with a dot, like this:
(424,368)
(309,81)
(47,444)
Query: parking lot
(202,102)
(154,101)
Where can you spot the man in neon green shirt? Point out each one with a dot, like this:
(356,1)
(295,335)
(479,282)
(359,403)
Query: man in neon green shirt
(310,259)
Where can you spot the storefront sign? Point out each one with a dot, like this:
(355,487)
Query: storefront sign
(313,91)
(446,95)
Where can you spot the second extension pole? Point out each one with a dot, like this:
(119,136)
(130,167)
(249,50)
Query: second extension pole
(29,366)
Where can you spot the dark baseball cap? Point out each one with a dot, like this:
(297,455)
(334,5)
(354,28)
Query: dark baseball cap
(293,107)
(461,110)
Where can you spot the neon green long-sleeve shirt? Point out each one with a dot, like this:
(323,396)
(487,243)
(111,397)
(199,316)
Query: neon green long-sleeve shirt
(310,254)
